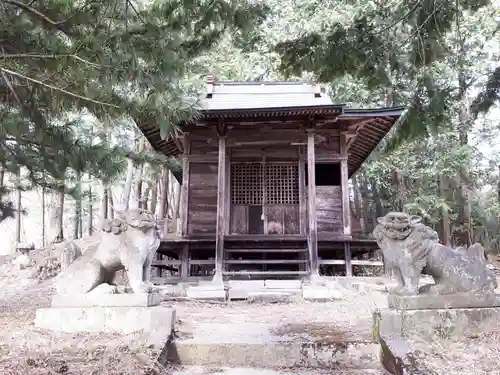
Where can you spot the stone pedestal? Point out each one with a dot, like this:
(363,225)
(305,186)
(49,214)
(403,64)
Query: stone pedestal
(213,291)
(450,301)
(438,316)
(106,300)
(112,313)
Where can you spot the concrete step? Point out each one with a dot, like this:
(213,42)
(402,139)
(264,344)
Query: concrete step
(264,346)
(202,370)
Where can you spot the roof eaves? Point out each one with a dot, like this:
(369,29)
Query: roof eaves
(390,111)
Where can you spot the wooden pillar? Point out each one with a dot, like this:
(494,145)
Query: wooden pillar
(185,185)
(302,191)
(346,207)
(221,210)
(312,235)
(348,258)
(185,262)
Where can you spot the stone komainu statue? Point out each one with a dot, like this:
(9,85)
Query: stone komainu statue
(411,248)
(128,242)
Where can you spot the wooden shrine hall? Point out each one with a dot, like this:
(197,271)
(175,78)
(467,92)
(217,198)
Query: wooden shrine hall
(265,170)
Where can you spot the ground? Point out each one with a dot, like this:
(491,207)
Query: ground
(25,349)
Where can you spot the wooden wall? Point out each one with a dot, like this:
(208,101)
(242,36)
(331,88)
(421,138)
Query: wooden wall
(243,146)
(329,209)
(202,213)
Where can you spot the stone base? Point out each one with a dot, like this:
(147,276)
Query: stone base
(450,301)
(446,323)
(106,300)
(320,293)
(212,292)
(123,320)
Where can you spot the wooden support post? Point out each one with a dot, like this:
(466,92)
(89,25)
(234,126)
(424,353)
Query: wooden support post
(312,236)
(348,258)
(302,191)
(185,263)
(227,204)
(346,206)
(185,185)
(221,210)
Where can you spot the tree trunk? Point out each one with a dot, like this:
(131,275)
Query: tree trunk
(43,217)
(367,210)
(177,201)
(145,199)
(91,210)
(78,207)
(140,168)
(163,203)
(111,204)
(358,203)
(2,177)
(104,204)
(445,216)
(56,208)
(128,184)
(154,197)
(19,205)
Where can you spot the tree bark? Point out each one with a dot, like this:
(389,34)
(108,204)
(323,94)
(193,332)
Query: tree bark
(78,207)
(358,204)
(56,216)
(104,204)
(154,197)
(91,210)
(43,217)
(128,184)
(445,217)
(145,199)
(140,168)
(163,202)
(111,209)
(19,205)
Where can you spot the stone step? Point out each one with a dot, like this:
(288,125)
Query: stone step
(202,370)
(261,345)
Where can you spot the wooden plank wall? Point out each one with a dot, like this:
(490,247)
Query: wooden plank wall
(202,213)
(329,209)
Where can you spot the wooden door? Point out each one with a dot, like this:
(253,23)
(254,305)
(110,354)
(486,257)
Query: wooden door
(281,198)
(264,198)
(247,180)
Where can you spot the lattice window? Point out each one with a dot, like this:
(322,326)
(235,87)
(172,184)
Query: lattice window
(246,184)
(282,184)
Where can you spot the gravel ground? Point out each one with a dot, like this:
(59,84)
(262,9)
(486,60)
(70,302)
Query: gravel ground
(474,355)
(27,350)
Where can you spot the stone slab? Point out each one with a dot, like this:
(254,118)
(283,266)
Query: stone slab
(320,293)
(207,370)
(283,284)
(450,301)
(246,284)
(106,300)
(123,320)
(272,296)
(432,323)
(206,293)
(267,346)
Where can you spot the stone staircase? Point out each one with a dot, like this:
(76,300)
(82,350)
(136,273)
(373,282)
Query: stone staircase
(262,348)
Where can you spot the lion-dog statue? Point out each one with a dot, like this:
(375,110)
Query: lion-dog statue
(127,242)
(411,248)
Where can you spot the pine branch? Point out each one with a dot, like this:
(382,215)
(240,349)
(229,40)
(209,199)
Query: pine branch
(33,11)
(57,88)
(39,56)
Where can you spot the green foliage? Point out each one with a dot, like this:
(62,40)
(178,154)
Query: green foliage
(108,59)
(400,46)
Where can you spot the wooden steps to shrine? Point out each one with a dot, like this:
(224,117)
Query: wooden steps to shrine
(276,259)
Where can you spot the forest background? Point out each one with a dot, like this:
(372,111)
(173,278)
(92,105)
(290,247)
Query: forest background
(76,76)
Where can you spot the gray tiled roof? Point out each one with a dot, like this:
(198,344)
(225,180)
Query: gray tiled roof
(262,95)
